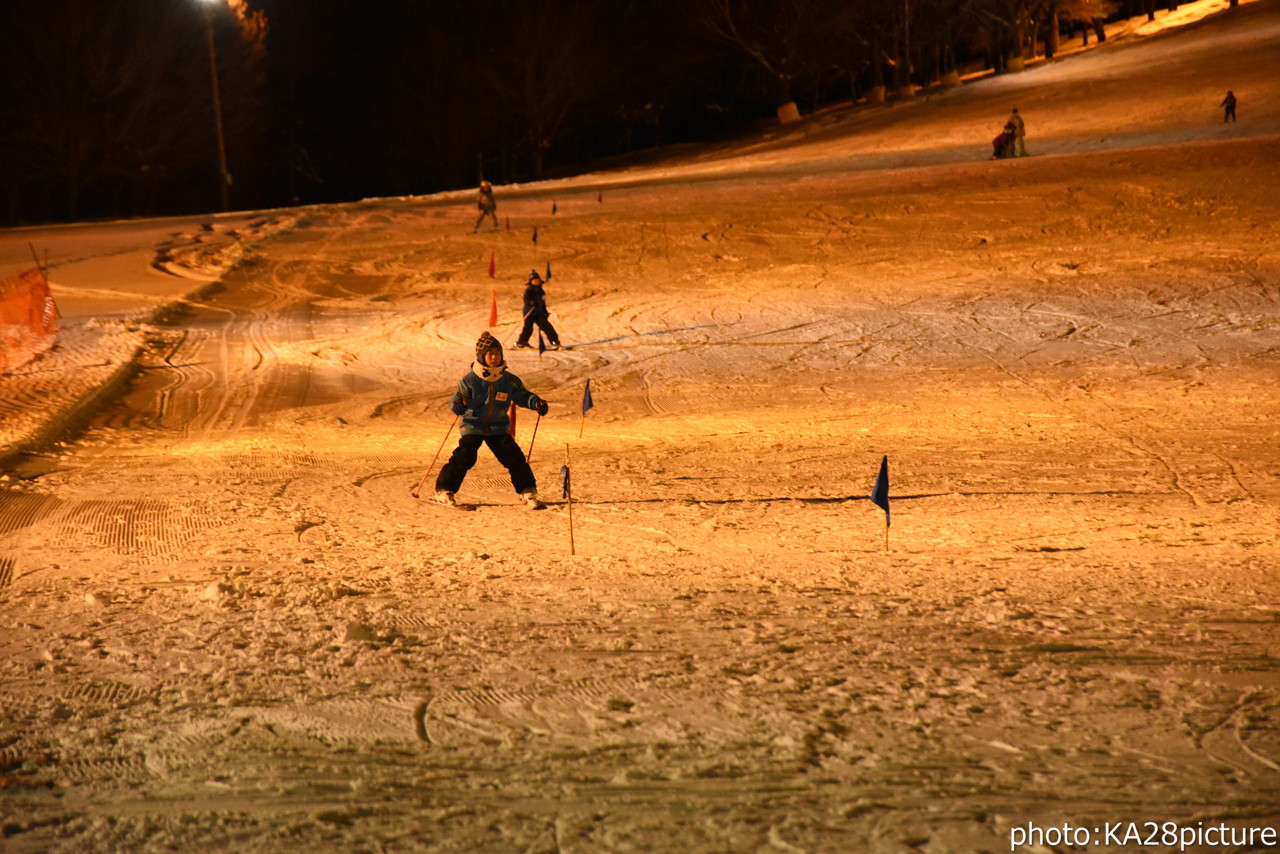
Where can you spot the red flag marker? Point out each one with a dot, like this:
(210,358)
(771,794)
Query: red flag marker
(508,219)
(493,310)
(600,196)
(492,269)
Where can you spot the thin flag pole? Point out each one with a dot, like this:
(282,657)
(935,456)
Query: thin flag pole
(44,268)
(568,496)
(427,473)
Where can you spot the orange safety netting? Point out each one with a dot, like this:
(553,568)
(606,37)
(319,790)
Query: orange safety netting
(28,318)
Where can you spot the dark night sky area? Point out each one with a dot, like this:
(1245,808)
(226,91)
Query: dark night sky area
(108,111)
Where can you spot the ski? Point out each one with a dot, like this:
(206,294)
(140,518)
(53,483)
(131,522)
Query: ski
(451,506)
(472,507)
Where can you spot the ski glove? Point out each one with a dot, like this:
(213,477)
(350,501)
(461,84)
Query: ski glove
(459,406)
(540,406)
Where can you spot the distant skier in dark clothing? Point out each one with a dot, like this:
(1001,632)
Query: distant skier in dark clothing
(488,206)
(1229,107)
(535,311)
(482,399)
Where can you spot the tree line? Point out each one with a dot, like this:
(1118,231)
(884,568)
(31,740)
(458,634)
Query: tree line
(107,106)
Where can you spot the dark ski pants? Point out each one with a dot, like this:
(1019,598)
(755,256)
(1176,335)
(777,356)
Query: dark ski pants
(543,323)
(464,457)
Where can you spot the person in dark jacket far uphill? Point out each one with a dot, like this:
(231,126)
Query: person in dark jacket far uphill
(482,399)
(535,311)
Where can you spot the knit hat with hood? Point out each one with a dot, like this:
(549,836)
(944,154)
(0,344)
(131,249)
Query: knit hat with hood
(486,343)
(491,374)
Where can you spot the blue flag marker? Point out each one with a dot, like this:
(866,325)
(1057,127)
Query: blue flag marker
(535,235)
(587,403)
(547,277)
(880,493)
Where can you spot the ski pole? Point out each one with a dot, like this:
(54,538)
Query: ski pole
(529,456)
(523,317)
(427,473)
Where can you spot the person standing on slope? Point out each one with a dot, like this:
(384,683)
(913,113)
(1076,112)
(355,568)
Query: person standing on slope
(1229,107)
(488,206)
(535,311)
(482,400)
(1019,131)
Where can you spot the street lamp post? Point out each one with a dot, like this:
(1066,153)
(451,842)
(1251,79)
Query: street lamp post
(224,177)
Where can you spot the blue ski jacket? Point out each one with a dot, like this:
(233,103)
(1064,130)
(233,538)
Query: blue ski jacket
(487,393)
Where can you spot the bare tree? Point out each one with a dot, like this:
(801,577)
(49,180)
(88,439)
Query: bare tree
(543,64)
(1090,14)
(1008,26)
(106,107)
(791,41)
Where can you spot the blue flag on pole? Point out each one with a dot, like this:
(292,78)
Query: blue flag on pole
(547,277)
(565,492)
(880,492)
(535,235)
(587,403)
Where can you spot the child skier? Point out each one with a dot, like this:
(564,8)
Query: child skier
(482,399)
(1003,145)
(535,311)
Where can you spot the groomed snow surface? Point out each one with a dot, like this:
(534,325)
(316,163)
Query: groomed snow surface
(226,625)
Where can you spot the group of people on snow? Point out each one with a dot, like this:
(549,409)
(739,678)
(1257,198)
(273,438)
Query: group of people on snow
(1010,141)
(489,390)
